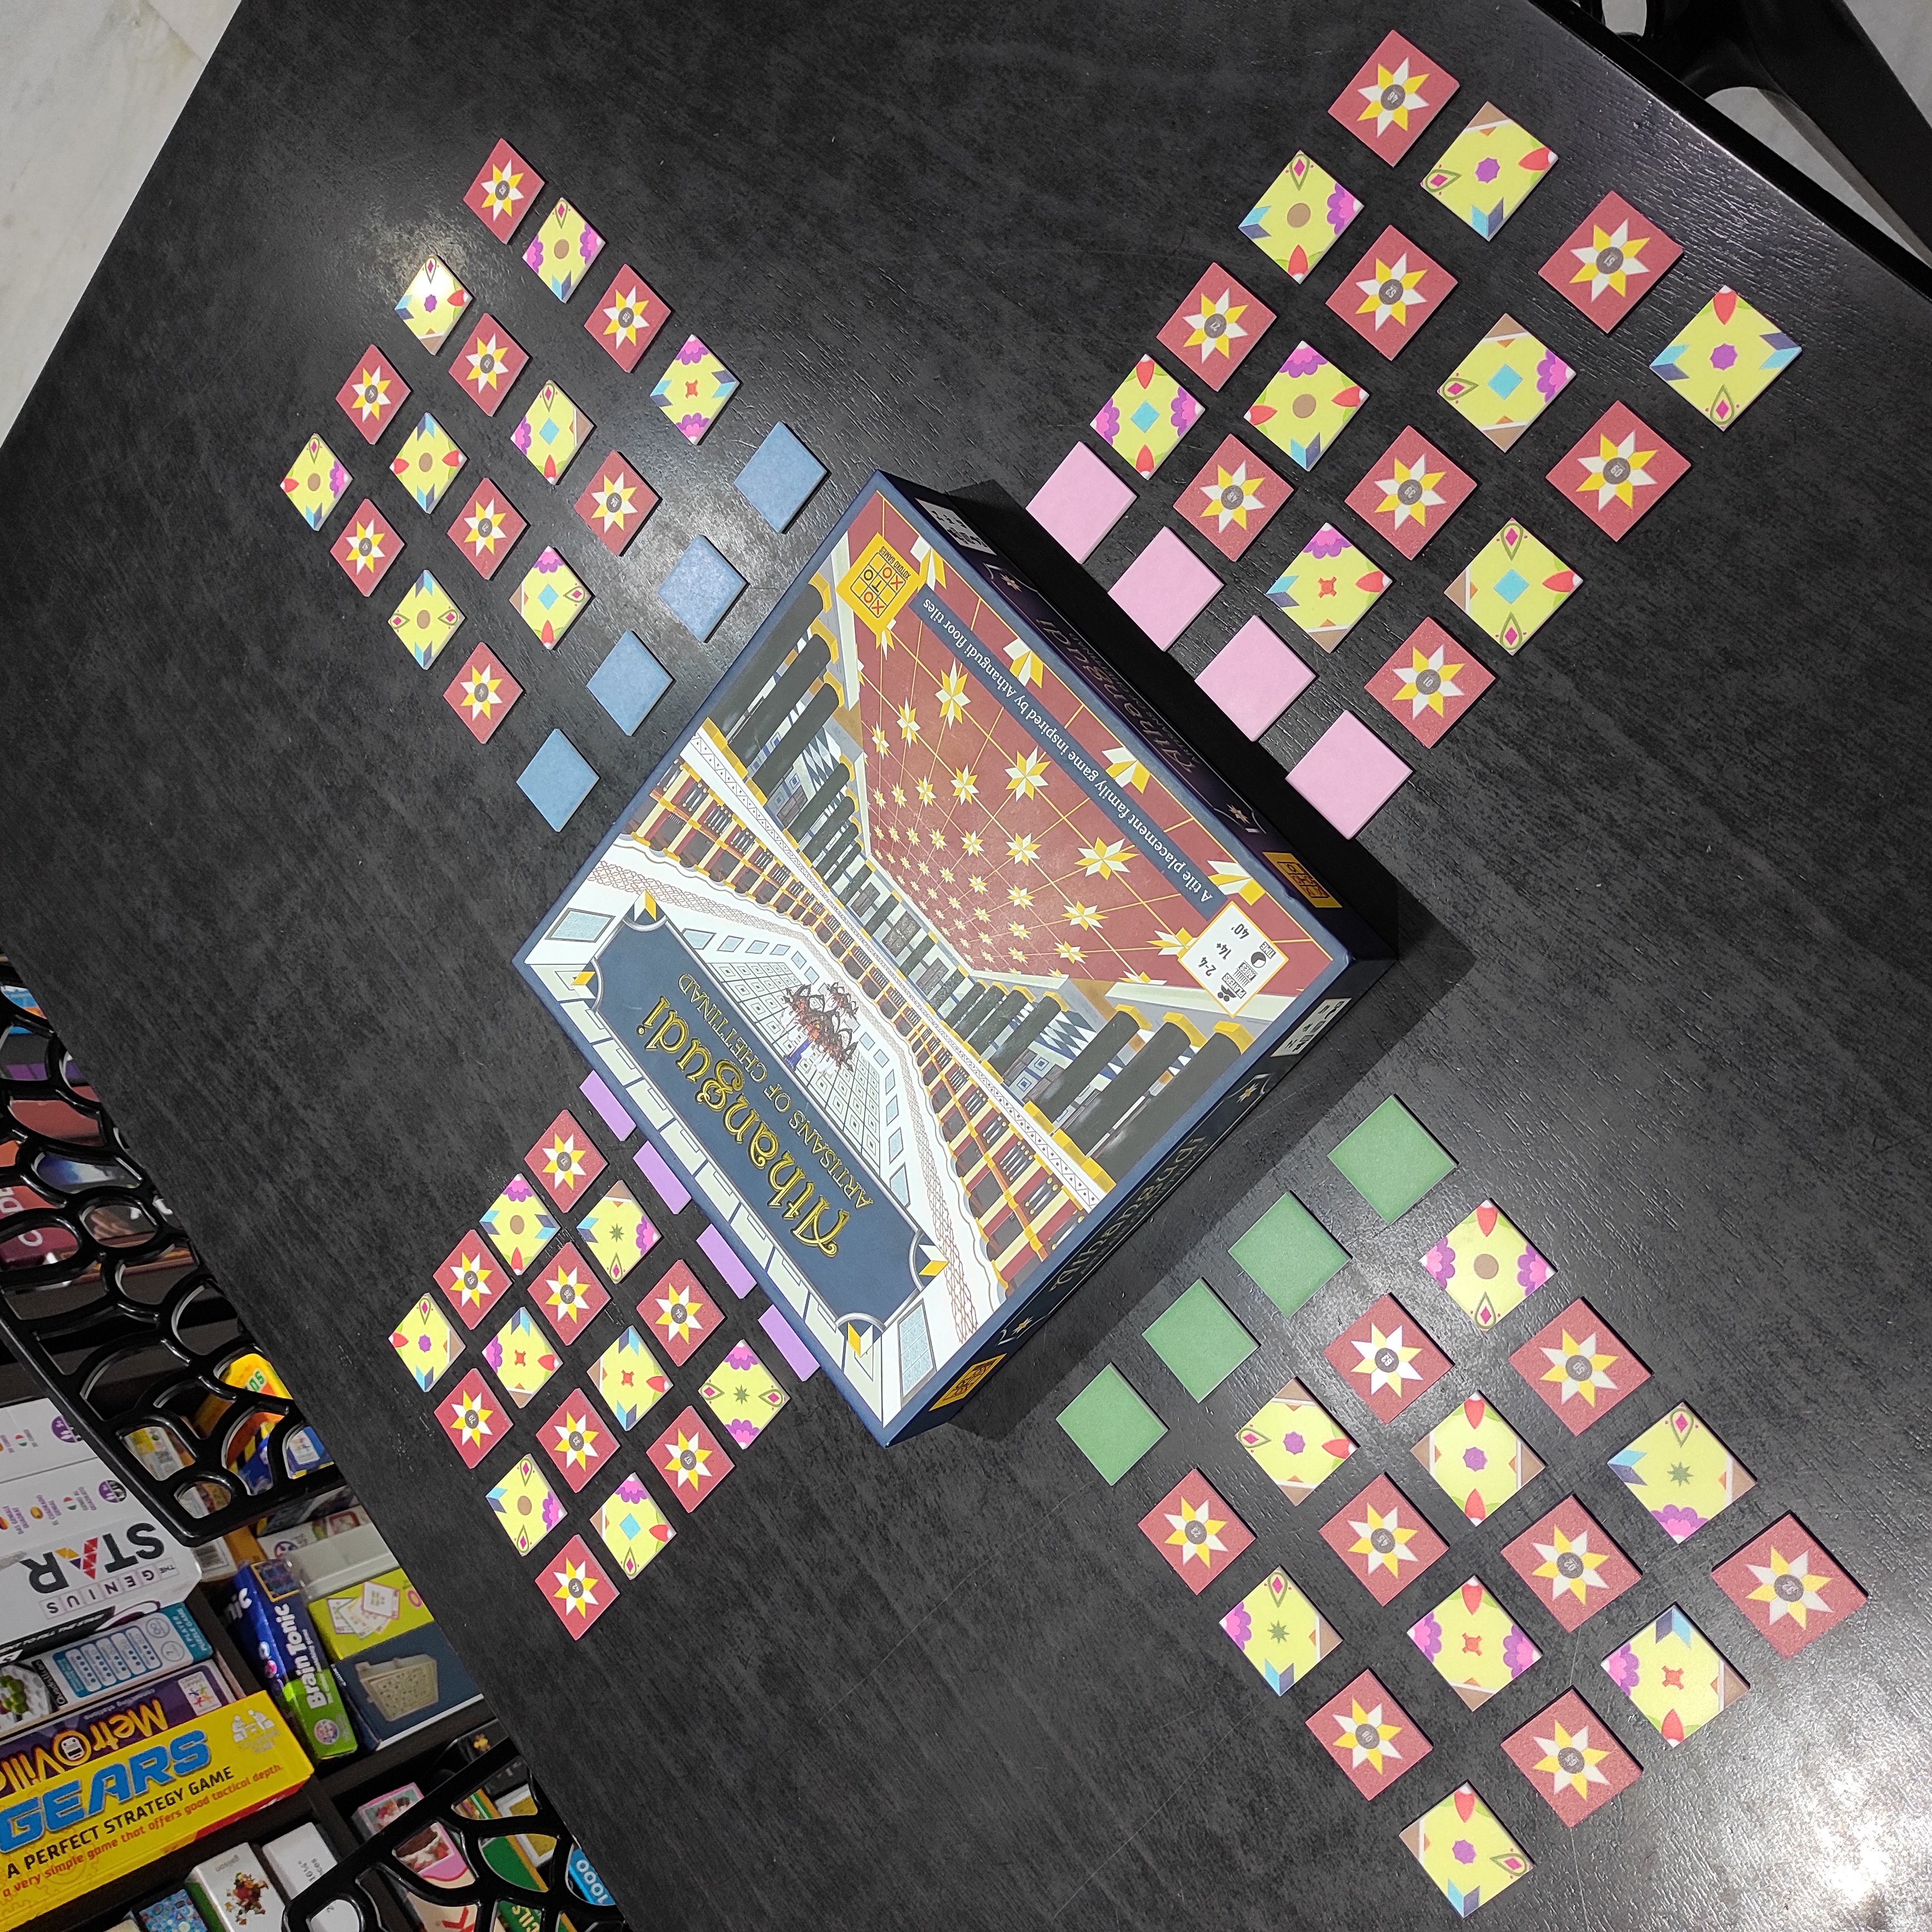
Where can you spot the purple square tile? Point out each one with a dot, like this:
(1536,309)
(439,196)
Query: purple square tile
(1165,588)
(610,1110)
(802,1363)
(1255,677)
(1348,775)
(671,1191)
(1080,502)
(738,1278)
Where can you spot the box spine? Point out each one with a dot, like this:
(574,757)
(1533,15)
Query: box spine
(266,1609)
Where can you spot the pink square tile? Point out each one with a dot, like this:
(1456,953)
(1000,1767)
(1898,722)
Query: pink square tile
(1348,775)
(1255,677)
(1165,588)
(1080,502)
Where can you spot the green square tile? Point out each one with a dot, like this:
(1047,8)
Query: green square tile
(1110,1425)
(1287,1254)
(1199,1338)
(1392,1160)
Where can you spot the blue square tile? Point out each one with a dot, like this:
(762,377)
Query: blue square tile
(629,682)
(781,476)
(701,587)
(557,780)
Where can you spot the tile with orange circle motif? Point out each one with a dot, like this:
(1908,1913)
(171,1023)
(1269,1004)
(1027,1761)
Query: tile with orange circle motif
(1572,1758)
(1215,327)
(564,1160)
(1572,1562)
(615,503)
(473,1419)
(1232,500)
(1385,1357)
(1429,682)
(366,548)
(486,528)
(1616,473)
(575,1587)
(1390,292)
(1369,1735)
(1395,94)
(506,189)
(1580,1366)
(372,395)
(1385,1539)
(481,693)
(1411,491)
(472,1280)
(1197,1534)
(680,1311)
(576,1439)
(1613,259)
(488,364)
(1787,1584)
(688,1458)
(568,1293)
(629,313)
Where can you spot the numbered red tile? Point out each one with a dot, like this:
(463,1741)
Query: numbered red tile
(564,1160)
(1386,1358)
(1787,1584)
(1573,1565)
(1572,1758)
(630,313)
(481,693)
(505,190)
(576,1439)
(366,548)
(615,503)
(1232,500)
(576,1587)
(1211,334)
(568,1293)
(372,395)
(1195,1531)
(1398,91)
(1580,1366)
(489,363)
(1370,1737)
(1614,258)
(1617,472)
(472,1280)
(688,1458)
(474,1418)
(486,528)
(1429,682)
(1391,292)
(679,1312)
(1411,491)
(1384,1539)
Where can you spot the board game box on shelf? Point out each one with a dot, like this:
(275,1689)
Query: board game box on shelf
(933,957)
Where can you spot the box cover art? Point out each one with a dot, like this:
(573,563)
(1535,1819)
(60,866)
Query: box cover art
(925,968)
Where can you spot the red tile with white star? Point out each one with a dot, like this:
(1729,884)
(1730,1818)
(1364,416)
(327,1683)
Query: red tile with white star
(1572,1758)
(1211,334)
(687,1456)
(1615,256)
(564,1160)
(628,314)
(616,503)
(1232,500)
(372,395)
(505,190)
(1618,471)
(1384,1539)
(1411,491)
(481,693)
(1369,1735)
(568,1293)
(1197,1534)
(1429,682)
(366,548)
(486,528)
(1390,292)
(1573,1563)
(473,1417)
(1788,1586)
(576,1439)
(1396,93)
(576,1587)
(1386,1356)
(471,1278)
(489,364)
(1580,1366)
(680,1312)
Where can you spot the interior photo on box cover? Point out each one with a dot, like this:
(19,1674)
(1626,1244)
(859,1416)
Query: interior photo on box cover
(911,954)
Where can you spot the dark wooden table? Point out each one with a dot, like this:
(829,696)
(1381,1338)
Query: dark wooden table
(1665,994)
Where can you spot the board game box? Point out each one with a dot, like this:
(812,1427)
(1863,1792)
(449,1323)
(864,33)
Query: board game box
(932,957)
